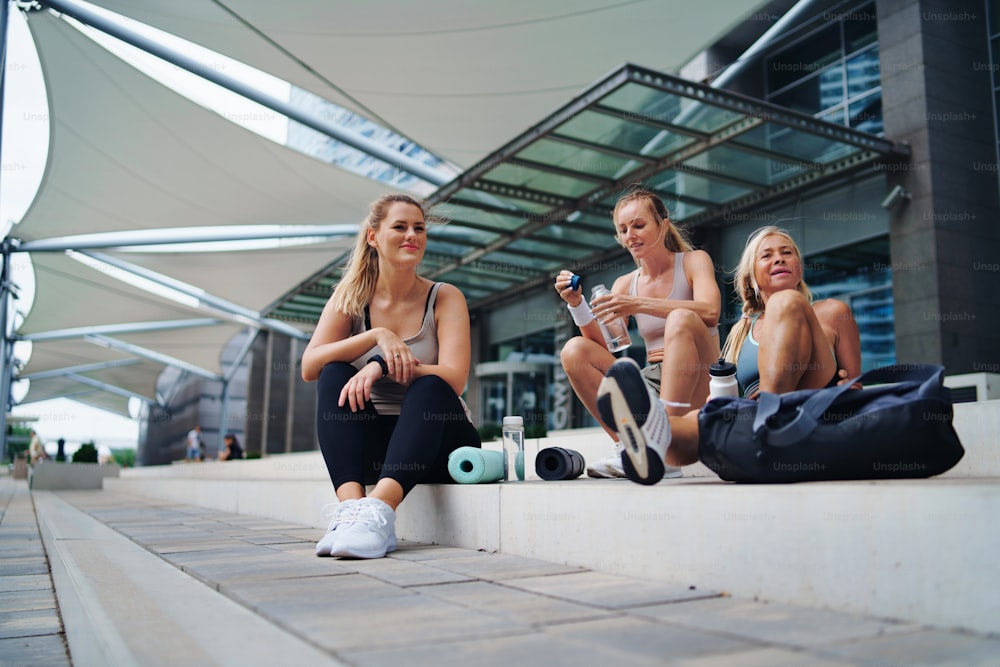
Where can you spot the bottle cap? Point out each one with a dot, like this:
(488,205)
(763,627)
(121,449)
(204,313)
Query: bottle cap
(722,368)
(513,421)
(574,282)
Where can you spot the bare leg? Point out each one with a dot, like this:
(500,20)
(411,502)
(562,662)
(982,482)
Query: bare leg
(794,352)
(688,350)
(585,363)
(387,490)
(683,449)
(350,491)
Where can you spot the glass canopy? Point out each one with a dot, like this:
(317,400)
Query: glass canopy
(543,201)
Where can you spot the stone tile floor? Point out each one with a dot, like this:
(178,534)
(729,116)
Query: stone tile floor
(439,605)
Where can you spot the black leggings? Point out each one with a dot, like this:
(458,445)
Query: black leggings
(364,446)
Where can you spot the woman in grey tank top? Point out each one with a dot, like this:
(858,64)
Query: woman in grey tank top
(391,356)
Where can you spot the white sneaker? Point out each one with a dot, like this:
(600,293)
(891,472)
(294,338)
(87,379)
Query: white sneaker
(342,515)
(610,467)
(371,534)
(633,410)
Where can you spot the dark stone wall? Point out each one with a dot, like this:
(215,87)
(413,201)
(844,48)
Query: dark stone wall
(937,97)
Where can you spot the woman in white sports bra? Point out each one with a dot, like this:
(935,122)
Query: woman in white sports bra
(675,300)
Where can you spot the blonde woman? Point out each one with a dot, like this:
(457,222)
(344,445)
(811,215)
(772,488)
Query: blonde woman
(391,355)
(783,342)
(675,300)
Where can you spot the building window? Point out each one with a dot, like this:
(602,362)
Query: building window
(832,72)
(860,275)
(993,23)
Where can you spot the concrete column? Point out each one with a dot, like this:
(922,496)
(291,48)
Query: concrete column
(945,240)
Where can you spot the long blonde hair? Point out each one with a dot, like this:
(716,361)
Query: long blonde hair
(357,286)
(749,292)
(674,239)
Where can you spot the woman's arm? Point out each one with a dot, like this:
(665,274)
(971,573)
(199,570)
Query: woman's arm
(451,313)
(706,301)
(332,341)
(592,329)
(836,317)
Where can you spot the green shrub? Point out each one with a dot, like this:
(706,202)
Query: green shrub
(489,431)
(87,453)
(124,457)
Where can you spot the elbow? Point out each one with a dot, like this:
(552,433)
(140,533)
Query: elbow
(711,318)
(309,373)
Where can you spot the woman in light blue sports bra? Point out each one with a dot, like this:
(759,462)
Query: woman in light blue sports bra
(798,343)
(675,299)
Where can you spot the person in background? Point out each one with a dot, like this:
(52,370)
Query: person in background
(233,449)
(676,302)
(783,342)
(194,444)
(36,449)
(391,356)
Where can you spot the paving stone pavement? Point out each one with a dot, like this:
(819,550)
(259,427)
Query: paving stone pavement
(439,605)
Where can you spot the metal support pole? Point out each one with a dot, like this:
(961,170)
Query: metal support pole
(6,344)
(5,293)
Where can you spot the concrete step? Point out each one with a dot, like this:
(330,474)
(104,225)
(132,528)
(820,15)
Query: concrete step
(917,550)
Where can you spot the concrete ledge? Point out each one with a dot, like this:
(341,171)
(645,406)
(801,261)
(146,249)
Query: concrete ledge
(51,475)
(918,550)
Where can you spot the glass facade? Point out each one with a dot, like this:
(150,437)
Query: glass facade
(993,33)
(832,72)
(860,275)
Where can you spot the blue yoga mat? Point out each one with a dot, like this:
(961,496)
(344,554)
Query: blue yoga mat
(472,465)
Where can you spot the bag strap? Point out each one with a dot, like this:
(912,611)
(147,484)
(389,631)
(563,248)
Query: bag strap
(809,413)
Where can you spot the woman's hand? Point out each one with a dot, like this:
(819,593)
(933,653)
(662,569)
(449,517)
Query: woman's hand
(608,307)
(843,377)
(358,389)
(398,357)
(562,284)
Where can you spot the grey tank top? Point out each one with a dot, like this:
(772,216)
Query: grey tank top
(387,396)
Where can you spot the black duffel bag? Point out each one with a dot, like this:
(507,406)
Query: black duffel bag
(898,426)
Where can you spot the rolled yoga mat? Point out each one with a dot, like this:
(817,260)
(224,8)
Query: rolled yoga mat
(472,465)
(554,463)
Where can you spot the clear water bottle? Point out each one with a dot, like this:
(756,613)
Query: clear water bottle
(513,449)
(722,379)
(615,332)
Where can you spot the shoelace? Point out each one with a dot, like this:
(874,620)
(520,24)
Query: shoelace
(368,513)
(341,513)
(349,512)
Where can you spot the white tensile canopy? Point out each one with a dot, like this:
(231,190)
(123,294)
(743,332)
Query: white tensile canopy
(127,153)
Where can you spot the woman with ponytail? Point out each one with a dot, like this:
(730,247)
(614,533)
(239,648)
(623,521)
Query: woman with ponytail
(675,300)
(391,356)
(783,342)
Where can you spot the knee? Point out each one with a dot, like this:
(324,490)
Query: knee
(431,384)
(337,373)
(786,303)
(574,353)
(682,322)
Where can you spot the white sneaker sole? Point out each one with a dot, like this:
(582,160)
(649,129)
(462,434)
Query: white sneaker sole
(348,552)
(623,383)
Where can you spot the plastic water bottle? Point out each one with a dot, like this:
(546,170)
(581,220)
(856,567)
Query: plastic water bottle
(722,379)
(616,332)
(513,449)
